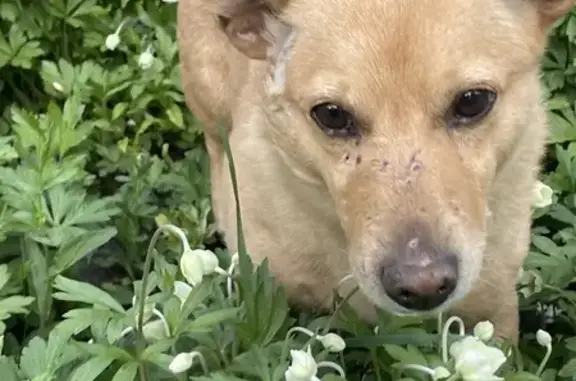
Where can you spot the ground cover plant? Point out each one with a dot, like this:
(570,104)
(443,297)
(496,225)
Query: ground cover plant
(110,266)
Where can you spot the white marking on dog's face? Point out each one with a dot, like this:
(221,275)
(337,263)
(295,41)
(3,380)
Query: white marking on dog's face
(280,57)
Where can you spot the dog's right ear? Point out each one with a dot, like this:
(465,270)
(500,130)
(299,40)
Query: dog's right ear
(552,10)
(251,25)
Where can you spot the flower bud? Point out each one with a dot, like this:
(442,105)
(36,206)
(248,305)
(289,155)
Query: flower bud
(112,41)
(182,290)
(181,363)
(543,338)
(440,373)
(191,267)
(154,331)
(542,196)
(332,342)
(209,261)
(146,59)
(484,330)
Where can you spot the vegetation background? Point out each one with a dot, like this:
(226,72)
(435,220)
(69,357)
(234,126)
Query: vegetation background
(97,148)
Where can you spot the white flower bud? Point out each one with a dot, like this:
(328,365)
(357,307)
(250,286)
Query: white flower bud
(542,195)
(182,290)
(154,331)
(484,330)
(209,261)
(303,366)
(332,342)
(191,267)
(57,86)
(146,59)
(181,363)
(543,338)
(440,373)
(112,41)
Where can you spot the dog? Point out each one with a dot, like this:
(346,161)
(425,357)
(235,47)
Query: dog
(396,143)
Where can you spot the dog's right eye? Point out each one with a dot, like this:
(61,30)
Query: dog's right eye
(334,120)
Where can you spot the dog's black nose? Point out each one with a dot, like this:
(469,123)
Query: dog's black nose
(421,287)
(420,276)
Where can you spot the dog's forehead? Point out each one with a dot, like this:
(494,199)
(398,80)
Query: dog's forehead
(378,46)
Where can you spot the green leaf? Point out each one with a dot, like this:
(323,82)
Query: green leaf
(127,372)
(106,351)
(14,305)
(175,115)
(522,376)
(33,360)
(75,291)
(79,319)
(39,278)
(409,355)
(8,369)
(4,276)
(79,247)
(206,323)
(91,369)
(568,370)
(196,296)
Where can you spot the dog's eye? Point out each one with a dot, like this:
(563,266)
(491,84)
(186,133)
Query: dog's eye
(334,120)
(472,105)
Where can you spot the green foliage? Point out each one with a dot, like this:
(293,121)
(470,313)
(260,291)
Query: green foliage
(97,149)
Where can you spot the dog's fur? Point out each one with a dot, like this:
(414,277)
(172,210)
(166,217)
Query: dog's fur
(321,207)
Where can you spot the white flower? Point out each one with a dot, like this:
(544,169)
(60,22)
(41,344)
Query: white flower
(303,366)
(170,1)
(543,338)
(146,58)
(542,196)
(57,86)
(475,361)
(182,290)
(194,264)
(484,330)
(155,330)
(181,363)
(332,342)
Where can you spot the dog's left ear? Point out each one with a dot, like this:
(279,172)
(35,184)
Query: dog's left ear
(252,26)
(552,10)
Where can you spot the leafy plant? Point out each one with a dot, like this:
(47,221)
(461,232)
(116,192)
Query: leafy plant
(105,201)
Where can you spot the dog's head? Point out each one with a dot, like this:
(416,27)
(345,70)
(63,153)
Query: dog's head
(404,110)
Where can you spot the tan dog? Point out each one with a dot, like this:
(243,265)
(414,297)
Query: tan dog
(398,141)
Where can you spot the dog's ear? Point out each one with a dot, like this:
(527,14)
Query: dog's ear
(252,26)
(552,10)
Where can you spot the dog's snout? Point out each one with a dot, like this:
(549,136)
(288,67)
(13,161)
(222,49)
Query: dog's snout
(420,276)
(422,286)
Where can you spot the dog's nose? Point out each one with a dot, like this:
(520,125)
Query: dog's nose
(421,286)
(420,276)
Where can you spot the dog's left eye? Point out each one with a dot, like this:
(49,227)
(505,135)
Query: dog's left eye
(472,105)
(334,120)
